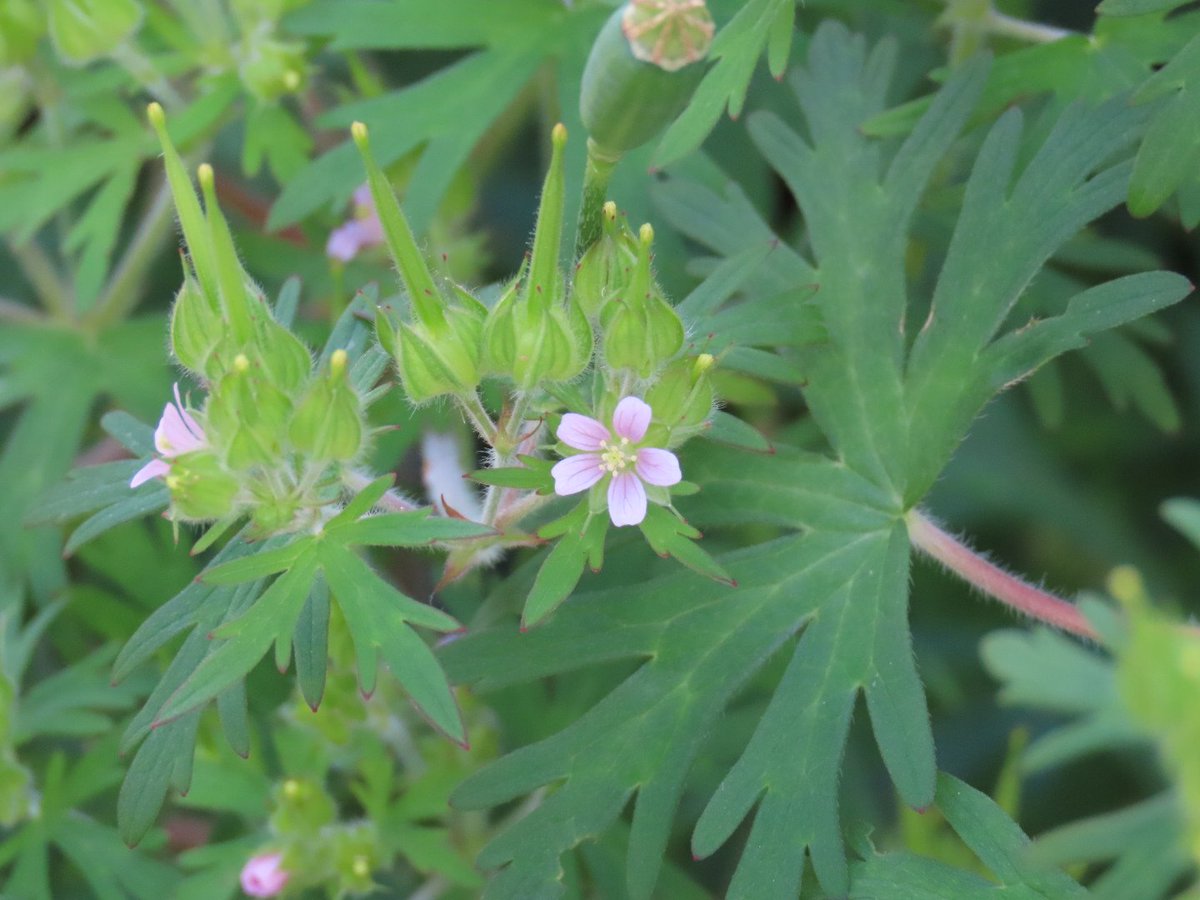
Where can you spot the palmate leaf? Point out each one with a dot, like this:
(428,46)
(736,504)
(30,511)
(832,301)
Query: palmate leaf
(835,596)
(995,839)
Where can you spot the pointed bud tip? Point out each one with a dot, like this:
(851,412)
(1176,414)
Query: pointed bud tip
(337,362)
(646,234)
(204,173)
(558,136)
(154,112)
(241,363)
(358,131)
(610,211)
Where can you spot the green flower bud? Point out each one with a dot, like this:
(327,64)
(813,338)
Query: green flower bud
(83,30)
(328,423)
(202,489)
(434,364)
(286,361)
(356,854)
(247,417)
(642,71)
(683,395)
(439,353)
(641,330)
(270,68)
(302,809)
(536,332)
(196,328)
(21,25)
(606,266)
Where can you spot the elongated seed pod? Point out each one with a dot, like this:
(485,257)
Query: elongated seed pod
(643,69)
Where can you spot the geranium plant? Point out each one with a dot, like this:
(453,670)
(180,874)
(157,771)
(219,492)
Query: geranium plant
(428,561)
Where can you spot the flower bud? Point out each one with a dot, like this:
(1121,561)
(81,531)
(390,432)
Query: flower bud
(605,268)
(83,30)
(201,488)
(642,70)
(683,395)
(286,361)
(302,809)
(356,854)
(21,25)
(271,68)
(439,353)
(196,328)
(247,417)
(536,332)
(328,423)
(641,330)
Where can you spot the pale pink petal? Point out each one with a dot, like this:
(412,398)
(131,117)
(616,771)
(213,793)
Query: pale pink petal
(192,425)
(655,466)
(576,473)
(262,875)
(582,432)
(156,468)
(631,419)
(626,500)
(174,434)
(345,241)
(363,198)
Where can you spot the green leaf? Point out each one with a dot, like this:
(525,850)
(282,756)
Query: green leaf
(733,432)
(311,644)
(669,535)
(995,839)
(245,640)
(735,52)
(558,575)
(407,529)
(378,617)
(1170,151)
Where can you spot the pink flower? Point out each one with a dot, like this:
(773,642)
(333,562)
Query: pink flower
(364,230)
(262,875)
(177,433)
(621,457)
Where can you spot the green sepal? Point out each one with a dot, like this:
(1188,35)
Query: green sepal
(201,487)
(328,422)
(187,205)
(669,535)
(196,328)
(418,281)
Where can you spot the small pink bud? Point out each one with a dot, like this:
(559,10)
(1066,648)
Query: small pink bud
(262,875)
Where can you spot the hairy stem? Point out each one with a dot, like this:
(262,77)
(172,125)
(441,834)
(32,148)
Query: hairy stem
(595,192)
(478,416)
(994,581)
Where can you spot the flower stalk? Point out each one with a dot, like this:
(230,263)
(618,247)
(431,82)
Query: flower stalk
(994,581)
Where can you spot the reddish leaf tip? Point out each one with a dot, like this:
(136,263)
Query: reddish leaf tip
(920,810)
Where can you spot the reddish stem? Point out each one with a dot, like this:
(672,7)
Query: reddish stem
(994,581)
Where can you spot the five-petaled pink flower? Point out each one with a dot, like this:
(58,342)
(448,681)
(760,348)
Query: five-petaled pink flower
(361,231)
(177,433)
(262,876)
(620,456)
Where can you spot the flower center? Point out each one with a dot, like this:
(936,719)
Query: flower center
(614,457)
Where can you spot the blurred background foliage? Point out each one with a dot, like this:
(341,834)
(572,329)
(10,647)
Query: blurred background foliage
(1063,480)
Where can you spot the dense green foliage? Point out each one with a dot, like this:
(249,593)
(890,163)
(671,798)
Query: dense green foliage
(900,260)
